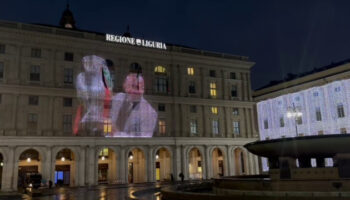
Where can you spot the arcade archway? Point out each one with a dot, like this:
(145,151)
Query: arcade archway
(107,166)
(136,166)
(29,164)
(163,165)
(217,163)
(240,162)
(65,168)
(195,164)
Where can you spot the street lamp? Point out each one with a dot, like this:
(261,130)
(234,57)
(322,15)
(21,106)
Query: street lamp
(294,113)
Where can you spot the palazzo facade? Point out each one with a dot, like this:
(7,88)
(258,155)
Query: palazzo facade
(203,100)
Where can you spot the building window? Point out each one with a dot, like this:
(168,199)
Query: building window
(232,75)
(212,90)
(318,114)
(68,56)
(161,85)
(2,48)
(192,87)
(104,152)
(190,71)
(33,100)
(236,128)
(107,127)
(193,108)
(161,127)
(136,68)
(68,76)
(32,121)
(160,69)
(235,111)
(1,70)
(36,53)
(67,102)
(212,73)
(214,110)
(193,126)
(161,107)
(266,124)
(215,126)
(67,123)
(340,110)
(343,130)
(299,120)
(234,91)
(315,94)
(34,73)
(337,89)
(281,122)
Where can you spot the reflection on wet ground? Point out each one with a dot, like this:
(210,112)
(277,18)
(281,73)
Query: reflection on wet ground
(101,193)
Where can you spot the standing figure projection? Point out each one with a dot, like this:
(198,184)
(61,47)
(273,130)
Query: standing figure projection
(132,115)
(94,88)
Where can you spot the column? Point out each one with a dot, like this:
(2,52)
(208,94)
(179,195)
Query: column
(46,166)
(228,121)
(177,161)
(231,166)
(248,124)
(150,164)
(122,172)
(91,165)
(81,166)
(8,172)
(226,164)
(184,158)
(256,164)
(208,162)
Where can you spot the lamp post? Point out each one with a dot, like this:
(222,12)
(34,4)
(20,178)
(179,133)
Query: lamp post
(293,112)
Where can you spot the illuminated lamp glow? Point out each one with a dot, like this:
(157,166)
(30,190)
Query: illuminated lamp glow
(29,159)
(63,159)
(131,157)
(157,156)
(1,164)
(103,158)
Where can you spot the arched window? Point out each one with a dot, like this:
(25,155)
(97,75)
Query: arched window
(161,80)
(135,68)
(160,69)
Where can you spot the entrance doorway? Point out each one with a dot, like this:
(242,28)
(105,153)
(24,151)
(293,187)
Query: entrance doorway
(65,168)
(163,165)
(107,166)
(195,164)
(136,166)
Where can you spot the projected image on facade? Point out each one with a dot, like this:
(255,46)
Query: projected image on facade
(125,114)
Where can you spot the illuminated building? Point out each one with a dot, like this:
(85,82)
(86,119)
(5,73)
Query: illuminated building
(315,103)
(203,104)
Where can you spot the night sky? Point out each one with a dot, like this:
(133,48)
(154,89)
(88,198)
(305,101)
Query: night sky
(281,36)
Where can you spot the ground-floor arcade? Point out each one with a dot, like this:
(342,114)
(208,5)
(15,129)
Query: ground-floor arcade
(82,161)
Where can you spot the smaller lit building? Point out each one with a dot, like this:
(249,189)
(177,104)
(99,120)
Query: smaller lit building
(312,103)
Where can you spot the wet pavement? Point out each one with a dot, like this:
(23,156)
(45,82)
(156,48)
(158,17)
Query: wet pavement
(144,192)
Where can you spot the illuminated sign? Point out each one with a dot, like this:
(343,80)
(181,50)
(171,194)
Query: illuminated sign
(135,41)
